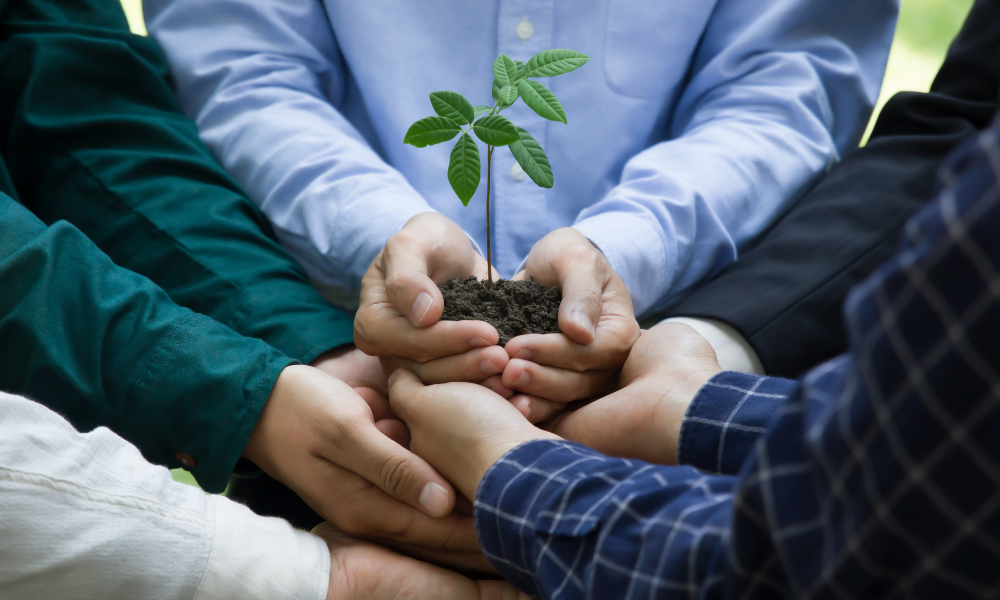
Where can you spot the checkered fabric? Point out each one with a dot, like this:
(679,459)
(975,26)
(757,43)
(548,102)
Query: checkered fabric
(877,478)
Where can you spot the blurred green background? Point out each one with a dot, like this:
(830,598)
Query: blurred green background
(925,29)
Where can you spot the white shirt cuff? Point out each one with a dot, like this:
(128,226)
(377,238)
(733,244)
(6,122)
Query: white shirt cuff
(732,350)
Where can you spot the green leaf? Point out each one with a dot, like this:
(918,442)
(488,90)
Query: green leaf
(541,100)
(554,62)
(529,154)
(520,68)
(465,168)
(505,70)
(431,130)
(496,94)
(481,109)
(454,106)
(508,94)
(495,130)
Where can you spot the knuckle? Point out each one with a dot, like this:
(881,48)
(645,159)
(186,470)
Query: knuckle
(397,476)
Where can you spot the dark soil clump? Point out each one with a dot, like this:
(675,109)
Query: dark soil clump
(513,307)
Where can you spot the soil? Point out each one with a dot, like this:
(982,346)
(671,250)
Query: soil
(513,307)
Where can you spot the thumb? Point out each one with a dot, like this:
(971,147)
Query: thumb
(399,473)
(407,284)
(580,309)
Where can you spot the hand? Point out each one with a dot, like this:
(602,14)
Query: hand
(318,436)
(353,367)
(596,319)
(401,305)
(460,428)
(663,373)
(360,571)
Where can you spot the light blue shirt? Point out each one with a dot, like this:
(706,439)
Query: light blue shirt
(695,124)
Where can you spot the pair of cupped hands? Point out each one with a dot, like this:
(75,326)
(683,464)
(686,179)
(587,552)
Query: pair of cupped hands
(377,439)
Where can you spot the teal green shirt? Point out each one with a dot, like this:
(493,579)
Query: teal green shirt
(104,346)
(94,144)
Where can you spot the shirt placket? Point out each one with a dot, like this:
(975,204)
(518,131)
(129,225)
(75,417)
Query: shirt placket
(519,210)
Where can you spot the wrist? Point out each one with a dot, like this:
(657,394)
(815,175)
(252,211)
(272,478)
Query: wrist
(258,446)
(672,407)
(492,451)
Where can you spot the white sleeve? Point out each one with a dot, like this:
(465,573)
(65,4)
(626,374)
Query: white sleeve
(85,516)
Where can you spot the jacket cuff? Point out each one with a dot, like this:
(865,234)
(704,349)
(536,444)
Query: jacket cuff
(726,417)
(211,385)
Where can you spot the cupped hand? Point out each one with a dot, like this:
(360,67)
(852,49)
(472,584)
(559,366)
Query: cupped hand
(319,437)
(459,428)
(398,318)
(595,316)
(664,371)
(362,571)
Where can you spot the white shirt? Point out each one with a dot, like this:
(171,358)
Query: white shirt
(85,516)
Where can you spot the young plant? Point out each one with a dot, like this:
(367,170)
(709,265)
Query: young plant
(511,79)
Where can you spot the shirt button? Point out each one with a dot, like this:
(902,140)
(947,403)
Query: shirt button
(185,460)
(517,172)
(525,30)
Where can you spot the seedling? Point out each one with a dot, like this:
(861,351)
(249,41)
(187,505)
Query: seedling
(511,79)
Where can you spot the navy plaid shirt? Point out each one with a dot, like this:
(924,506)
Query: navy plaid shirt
(877,476)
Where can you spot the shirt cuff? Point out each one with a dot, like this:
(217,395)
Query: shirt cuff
(259,558)
(726,417)
(219,381)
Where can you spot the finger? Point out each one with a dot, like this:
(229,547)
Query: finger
(558,385)
(557,350)
(495,385)
(398,472)
(378,403)
(582,286)
(535,409)
(473,366)
(415,260)
(395,430)
(404,386)
(385,335)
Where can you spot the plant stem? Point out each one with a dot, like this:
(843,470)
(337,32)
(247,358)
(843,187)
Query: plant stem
(489,249)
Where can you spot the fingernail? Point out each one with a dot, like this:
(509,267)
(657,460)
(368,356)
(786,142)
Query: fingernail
(478,342)
(420,307)
(489,368)
(583,321)
(434,498)
(392,379)
(524,406)
(523,354)
(523,379)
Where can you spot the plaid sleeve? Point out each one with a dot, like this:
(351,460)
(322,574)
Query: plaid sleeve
(562,521)
(726,417)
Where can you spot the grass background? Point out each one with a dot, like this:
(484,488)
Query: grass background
(923,34)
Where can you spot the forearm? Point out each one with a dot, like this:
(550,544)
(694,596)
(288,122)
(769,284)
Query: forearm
(96,138)
(265,84)
(765,112)
(86,516)
(104,346)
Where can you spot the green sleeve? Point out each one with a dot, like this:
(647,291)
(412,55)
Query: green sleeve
(104,346)
(92,134)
